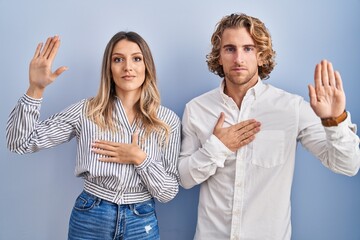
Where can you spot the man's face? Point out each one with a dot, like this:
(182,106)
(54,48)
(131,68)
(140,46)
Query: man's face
(239,57)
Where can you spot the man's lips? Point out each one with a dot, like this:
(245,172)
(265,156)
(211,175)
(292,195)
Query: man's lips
(238,69)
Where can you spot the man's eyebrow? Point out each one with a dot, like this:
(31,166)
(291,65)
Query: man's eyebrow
(249,45)
(228,45)
(232,45)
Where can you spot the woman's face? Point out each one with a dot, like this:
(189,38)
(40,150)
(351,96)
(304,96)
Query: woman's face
(127,67)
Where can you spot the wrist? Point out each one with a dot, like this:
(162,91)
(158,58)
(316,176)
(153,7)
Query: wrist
(35,92)
(140,158)
(334,121)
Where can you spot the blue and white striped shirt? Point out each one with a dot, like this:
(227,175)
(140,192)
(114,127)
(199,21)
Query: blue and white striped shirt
(156,177)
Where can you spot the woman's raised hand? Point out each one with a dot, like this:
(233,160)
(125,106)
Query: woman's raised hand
(40,73)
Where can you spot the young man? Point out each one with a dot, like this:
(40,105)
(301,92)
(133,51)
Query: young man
(239,140)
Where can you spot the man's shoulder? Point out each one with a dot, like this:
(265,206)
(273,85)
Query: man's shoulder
(279,92)
(205,97)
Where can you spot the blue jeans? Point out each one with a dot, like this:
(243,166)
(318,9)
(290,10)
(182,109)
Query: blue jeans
(95,219)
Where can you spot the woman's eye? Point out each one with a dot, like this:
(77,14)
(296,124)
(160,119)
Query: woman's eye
(137,59)
(117,59)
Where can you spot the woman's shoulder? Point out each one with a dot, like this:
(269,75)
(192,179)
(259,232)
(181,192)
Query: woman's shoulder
(79,103)
(167,115)
(78,106)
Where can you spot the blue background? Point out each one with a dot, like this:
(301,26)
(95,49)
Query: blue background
(37,191)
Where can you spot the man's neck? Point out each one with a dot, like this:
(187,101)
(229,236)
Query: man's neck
(237,92)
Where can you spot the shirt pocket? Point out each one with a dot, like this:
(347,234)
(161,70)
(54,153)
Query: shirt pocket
(269,148)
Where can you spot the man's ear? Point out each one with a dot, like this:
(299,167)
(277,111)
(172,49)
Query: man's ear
(260,59)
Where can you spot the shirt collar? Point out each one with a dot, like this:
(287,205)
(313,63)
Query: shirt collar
(254,91)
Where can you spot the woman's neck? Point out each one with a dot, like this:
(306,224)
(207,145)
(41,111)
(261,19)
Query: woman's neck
(129,101)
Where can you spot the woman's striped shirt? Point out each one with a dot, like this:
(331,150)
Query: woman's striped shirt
(156,177)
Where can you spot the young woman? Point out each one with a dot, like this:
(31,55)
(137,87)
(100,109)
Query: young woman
(127,143)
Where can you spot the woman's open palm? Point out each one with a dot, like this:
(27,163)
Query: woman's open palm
(40,73)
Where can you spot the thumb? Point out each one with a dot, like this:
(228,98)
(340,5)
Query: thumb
(59,71)
(220,121)
(135,138)
(312,95)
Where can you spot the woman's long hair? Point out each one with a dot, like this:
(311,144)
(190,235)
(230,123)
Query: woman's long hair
(100,108)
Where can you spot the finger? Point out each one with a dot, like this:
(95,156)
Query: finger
(245,136)
(331,74)
(51,47)
(244,125)
(46,46)
(37,51)
(104,152)
(249,131)
(220,121)
(247,141)
(104,145)
(317,76)
(312,95)
(109,159)
(105,142)
(338,81)
(253,127)
(54,48)
(59,71)
(324,73)
(135,138)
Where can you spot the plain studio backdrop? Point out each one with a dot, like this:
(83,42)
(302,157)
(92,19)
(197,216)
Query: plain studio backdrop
(37,191)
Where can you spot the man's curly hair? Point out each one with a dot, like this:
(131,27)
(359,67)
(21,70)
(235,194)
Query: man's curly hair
(259,34)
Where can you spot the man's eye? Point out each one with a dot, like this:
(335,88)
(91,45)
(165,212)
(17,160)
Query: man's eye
(230,49)
(248,49)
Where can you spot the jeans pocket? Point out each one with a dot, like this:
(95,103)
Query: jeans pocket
(144,209)
(85,201)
